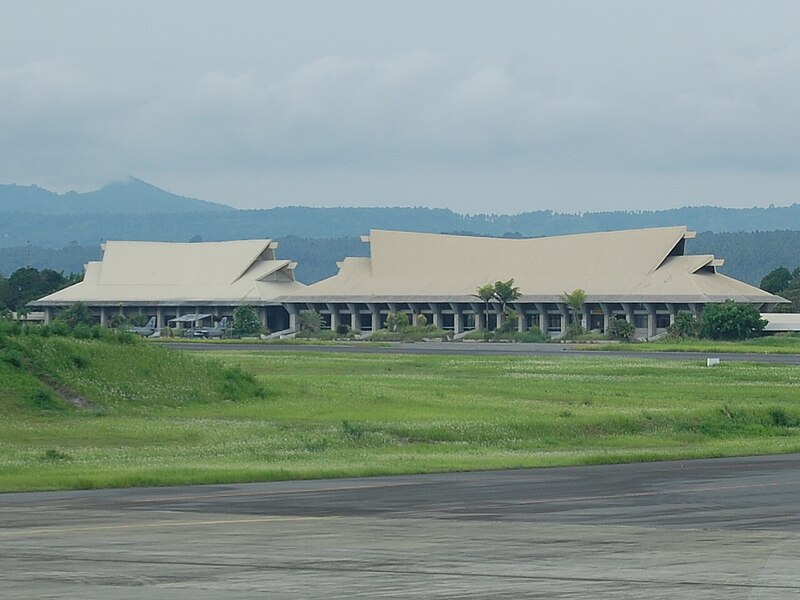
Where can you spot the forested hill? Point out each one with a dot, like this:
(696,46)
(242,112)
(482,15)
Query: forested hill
(132,196)
(51,230)
(63,231)
(748,256)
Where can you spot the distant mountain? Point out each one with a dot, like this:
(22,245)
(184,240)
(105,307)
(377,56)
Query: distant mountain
(50,229)
(130,197)
(34,222)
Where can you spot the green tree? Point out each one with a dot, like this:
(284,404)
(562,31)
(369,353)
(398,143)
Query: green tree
(486,294)
(310,320)
(77,314)
(731,321)
(246,321)
(28,284)
(776,280)
(4,293)
(505,292)
(575,301)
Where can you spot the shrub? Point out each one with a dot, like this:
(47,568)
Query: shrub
(10,356)
(43,400)
(731,321)
(59,328)
(310,320)
(246,321)
(397,321)
(53,455)
(620,329)
(343,329)
(77,314)
(685,326)
(118,321)
(510,321)
(573,331)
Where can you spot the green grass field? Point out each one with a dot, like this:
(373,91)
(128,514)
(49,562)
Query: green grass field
(151,416)
(772,344)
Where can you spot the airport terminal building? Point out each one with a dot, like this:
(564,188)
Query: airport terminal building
(168,280)
(643,276)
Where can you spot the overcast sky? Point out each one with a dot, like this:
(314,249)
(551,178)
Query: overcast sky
(497,107)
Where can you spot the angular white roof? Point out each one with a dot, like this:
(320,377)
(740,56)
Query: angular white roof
(237,271)
(782,321)
(642,265)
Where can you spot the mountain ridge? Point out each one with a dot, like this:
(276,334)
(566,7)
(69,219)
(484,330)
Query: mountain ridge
(130,196)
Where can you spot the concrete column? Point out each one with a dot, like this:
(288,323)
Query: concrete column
(651,319)
(103,318)
(586,317)
(436,310)
(480,321)
(293,311)
(334,316)
(697,309)
(159,317)
(522,319)
(375,313)
(628,308)
(672,313)
(355,317)
(178,314)
(48,316)
(458,318)
(606,308)
(414,312)
(564,310)
(264,322)
(541,308)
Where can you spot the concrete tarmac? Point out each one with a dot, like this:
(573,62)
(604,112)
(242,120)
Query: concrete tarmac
(482,349)
(726,528)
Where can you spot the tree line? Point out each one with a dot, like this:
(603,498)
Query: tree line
(785,283)
(27,284)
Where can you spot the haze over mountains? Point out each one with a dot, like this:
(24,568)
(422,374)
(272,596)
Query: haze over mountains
(34,222)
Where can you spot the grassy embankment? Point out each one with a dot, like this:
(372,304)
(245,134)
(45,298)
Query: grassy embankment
(155,417)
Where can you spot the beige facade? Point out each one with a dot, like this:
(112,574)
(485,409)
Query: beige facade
(642,276)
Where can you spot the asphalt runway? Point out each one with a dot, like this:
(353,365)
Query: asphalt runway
(480,349)
(726,528)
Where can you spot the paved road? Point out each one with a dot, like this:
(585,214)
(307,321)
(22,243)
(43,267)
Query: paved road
(473,349)
(698,529)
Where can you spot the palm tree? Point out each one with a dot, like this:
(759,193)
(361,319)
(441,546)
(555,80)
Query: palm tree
(575,301)
(505,292)
(486,293)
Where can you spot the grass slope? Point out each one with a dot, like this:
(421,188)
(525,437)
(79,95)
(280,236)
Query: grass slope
(338,415)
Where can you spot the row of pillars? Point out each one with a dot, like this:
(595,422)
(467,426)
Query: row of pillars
(162,314)
(459,311)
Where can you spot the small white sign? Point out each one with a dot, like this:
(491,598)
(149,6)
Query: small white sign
(712,362)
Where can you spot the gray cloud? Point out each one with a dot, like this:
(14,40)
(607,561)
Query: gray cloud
(586,106)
